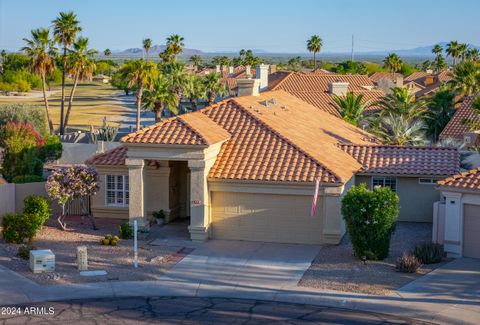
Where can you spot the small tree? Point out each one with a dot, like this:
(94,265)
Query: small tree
(370,217)
(67,184)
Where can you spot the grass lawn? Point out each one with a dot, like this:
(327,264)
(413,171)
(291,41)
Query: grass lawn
(92,102)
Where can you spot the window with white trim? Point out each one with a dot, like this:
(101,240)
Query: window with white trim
(116,190)
(427,181)
(385,182)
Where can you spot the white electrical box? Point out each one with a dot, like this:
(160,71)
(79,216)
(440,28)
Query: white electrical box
(42,261)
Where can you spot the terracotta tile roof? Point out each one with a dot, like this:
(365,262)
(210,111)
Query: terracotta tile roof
(456,127)
(113,157)
(313,87)
(415,76)
(445,76)
(239,72)
(469,180)
(188,129)
(419,78)
(405,160)
(376,76)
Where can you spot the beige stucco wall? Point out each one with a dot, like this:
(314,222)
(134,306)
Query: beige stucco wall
(38,188)
(416,200)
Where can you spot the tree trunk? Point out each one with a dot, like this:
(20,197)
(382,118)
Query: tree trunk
(314,61)
(70,101)
(47,110)
(139,101)
(194,103)
(211,98)
(62,104)
(157,110)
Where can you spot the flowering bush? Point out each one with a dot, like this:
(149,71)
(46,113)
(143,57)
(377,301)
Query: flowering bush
(67,184)
(370,217)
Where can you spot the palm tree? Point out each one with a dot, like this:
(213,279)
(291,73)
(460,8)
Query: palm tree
(462,50)
(437,50)
(314,44)
(393,63)
(194,90)
(80,65)
(213,87)
(65,29)
(453,51)
(40,51)
(139,73)
(473,54)
(351,107)
(466,78)
(403,104)
(196,60)
(401,131)
(175,43)
(175,72)
(158,95)
(440,111)
(147,45)
(439,64)
(107,52)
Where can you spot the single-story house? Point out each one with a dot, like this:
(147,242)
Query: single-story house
(245,169)
(461,227)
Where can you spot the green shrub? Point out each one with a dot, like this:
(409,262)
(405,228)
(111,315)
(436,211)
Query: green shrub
(21,179)
(125,231)
(370,217)
(407,263)
(429,253)
(24,251)
(19,227)
(39,206)
(24,113)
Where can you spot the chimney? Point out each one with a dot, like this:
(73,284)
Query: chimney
(272,69)
(339,88)
(230,70)
(262,74)
(428,80)
(218,68)
(248,71)
(248,87)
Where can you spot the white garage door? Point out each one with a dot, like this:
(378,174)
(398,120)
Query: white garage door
(266,217)
(471,231)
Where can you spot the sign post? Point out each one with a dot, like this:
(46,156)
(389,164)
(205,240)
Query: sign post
(135,244)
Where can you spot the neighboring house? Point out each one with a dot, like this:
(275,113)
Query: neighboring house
(387,80)
(457,128)
(461,210)
(425,83)
(319,88)
(245,169)
(412,172)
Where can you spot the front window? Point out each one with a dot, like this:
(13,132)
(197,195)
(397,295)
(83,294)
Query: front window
(385,182)
(116,190)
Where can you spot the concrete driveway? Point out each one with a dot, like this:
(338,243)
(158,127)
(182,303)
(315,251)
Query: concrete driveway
(244,265)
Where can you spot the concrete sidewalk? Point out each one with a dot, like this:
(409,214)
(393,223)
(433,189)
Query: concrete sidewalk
(417,300)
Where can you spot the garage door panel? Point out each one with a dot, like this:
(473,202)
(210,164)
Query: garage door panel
(265,217)
(471,231)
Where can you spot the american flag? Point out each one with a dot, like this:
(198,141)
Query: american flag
(315,197)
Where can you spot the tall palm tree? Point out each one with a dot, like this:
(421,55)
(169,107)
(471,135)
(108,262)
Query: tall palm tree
(139,73)
(351,107)
(175,72)
(314,44)
(175,43)
(437,49)
(213,87)
(40,50)
(462,51)
(107,52)
(196,60)
(194,90)
(80,65)
(439,64)
(466,78)
(473,54)
(440,111)
(65,29)
(158,95)
(393,63)
(402,103)
(453,51)
(401,131)
(147,45)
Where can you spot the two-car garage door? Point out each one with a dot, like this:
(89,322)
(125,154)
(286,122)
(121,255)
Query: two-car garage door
(266,217)
(471,231)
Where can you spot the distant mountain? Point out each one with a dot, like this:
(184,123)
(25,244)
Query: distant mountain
(154,51)
(417,51)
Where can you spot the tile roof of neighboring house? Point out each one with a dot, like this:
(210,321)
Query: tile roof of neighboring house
(414,76)
(419,78)
(113,157)
(239,72)
(376,76)
(313,87)
(469,180)
(187,129)
(405,160)
(456,127)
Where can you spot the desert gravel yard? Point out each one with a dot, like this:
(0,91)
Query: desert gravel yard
(154,261)
(336,268)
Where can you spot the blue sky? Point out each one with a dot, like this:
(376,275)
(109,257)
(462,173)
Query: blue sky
(275,26)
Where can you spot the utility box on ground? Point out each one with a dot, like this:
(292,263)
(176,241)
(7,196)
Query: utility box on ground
(42,261)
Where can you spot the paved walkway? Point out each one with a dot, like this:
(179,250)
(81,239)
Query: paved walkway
(448,295)
(172,310)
